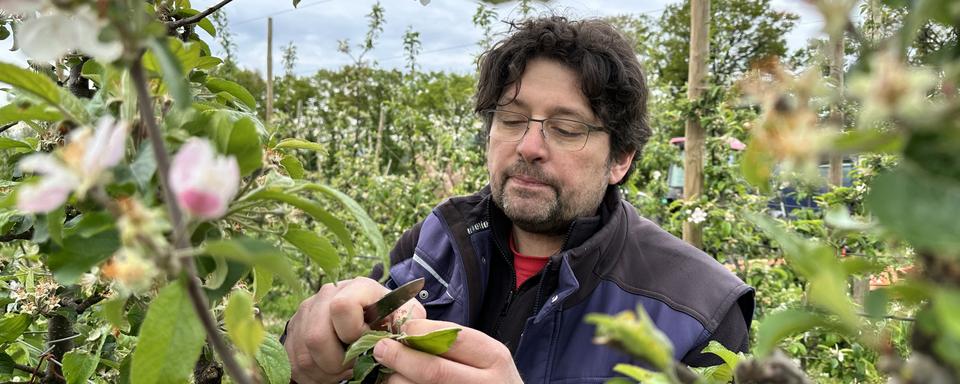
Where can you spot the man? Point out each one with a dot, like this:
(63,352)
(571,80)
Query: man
(520,263)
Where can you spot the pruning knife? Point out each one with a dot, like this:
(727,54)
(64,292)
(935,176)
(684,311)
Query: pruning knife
(375,314)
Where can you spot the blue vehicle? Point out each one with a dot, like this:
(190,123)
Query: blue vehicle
(787,199)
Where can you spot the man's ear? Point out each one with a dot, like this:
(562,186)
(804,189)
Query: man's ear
(620,166)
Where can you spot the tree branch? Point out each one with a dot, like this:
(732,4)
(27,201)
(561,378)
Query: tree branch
(197,297)
(25,235)
(27,369)
(196,18)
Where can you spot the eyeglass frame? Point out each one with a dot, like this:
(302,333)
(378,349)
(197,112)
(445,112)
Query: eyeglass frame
(543,133)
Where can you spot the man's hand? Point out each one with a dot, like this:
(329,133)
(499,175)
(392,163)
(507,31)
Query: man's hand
(327,321)
(473,358)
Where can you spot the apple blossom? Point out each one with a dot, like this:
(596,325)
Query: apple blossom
(77,167)
(20,7)
(49,37)
(203,182)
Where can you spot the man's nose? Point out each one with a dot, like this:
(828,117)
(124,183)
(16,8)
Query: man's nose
(533,145)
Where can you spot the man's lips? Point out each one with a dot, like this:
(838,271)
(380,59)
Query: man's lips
(527,181)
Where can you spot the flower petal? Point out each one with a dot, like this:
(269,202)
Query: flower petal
(47,38)
(21,6)
(107,146)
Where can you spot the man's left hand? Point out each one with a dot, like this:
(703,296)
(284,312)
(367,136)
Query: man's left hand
(473,358)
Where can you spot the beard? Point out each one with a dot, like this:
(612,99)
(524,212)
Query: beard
(547,212)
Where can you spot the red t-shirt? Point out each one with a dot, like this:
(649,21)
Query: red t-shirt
(525,266)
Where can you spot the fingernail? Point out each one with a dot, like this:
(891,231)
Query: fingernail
(380,350)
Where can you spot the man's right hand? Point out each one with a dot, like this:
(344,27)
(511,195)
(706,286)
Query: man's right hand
(329,320)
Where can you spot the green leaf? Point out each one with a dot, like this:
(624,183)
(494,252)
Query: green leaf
(262,283)
(364,344)
(215,85)
(636,334)
(868,140)
(8,143)
(31,82)
(642,375)
(780,325)
(242,328)
(79,254)
(367,225)
(78,366)
(26,111)
(311,208)
(204,23)
(299,144)
(920,208)
(273,361)
(244,143)
(434,343)
(255,253)
(839,218)
(363,367)
(55,225)
(113,312)
(317,247)
(171,339)
(219,274)
(13,325)
(7,364)
(817,263)
(144,167)
(757,166)
(722,373)
(93,70)
(88,224)
(293,166)
(173,75)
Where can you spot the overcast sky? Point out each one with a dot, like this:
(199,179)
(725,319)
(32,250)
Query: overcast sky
(446,30)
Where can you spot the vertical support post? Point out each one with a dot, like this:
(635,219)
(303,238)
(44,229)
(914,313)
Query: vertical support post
(835,174)
(269,113)
(694,145)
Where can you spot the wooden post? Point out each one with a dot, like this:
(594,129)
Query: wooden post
(269,112)
(695,135)
(835,175)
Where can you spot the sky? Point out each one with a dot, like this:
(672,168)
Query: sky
(447,34)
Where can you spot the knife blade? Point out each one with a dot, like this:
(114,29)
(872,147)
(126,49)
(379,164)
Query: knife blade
(375,313)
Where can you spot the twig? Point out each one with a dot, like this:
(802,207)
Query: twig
(7,126)
(197,297)
(27,368)
(89,302)
(25,235)
(888,317)
(196,18)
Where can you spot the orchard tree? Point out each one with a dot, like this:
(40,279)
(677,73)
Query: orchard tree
(741,32)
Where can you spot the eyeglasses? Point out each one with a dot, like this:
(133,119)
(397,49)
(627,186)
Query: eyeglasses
(570,135)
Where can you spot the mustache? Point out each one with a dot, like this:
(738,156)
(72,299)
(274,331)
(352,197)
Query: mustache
(530,171)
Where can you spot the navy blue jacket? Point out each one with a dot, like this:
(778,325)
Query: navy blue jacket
(609,263)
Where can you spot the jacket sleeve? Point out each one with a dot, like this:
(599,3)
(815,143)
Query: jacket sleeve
(403,250)
(733,333)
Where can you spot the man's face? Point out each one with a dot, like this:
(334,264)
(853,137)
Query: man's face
(542,188)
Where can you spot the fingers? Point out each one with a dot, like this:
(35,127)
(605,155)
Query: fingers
(346,307)
(420,367)
(472,347)
(315,352)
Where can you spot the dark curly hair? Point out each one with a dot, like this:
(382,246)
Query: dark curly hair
(609,72)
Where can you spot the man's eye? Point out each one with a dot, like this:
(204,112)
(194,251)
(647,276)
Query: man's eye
(514,123)
(567,131)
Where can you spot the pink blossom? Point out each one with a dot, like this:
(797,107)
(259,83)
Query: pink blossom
(55,185)
(204,182)
(78,166)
